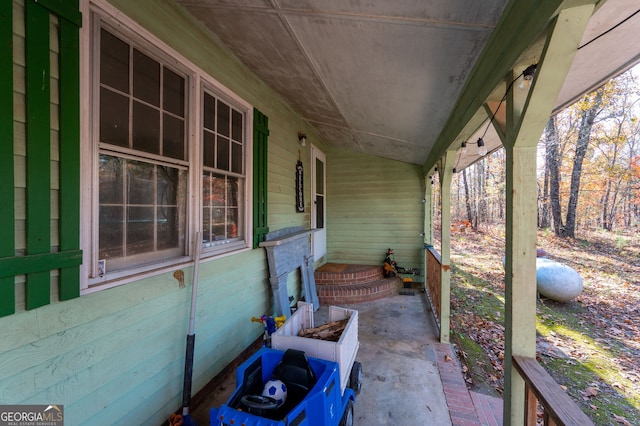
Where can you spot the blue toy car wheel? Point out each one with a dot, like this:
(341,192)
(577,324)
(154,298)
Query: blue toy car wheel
(347,416)
(355,378)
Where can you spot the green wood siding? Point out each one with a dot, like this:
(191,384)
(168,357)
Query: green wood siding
(106,355)
(117,355)
(42,130)
(372,205)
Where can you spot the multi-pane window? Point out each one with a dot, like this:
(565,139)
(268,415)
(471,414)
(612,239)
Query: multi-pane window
(156,179)
(143,166)
(223,178)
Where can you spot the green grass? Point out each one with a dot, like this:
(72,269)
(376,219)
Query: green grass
(593,365)
(473,297)
(590,364)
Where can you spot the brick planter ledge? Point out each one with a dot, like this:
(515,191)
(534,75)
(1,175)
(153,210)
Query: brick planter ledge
(339,283)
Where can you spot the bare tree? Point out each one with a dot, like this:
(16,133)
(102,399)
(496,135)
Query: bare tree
(482,191)
(552,163)
(587,118)
(618,175)
(467,198)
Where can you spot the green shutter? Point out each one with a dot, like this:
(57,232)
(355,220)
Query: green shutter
(38,104)
(39,261)
(69,283)
(63,9)
(7,215)
(260,145)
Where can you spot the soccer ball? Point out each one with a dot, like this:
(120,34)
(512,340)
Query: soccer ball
(276,390)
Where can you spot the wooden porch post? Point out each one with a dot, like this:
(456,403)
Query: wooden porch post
(520,272)
(428,212)
(427,239)
(523,129)
(446,173)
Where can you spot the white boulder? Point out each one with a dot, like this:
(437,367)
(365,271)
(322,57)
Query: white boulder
(557,281)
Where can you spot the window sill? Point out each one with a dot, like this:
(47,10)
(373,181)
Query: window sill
(118,278)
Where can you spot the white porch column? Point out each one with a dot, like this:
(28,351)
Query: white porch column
(427,239)
(446,174)
(520,273)
(523,129)
(428,212)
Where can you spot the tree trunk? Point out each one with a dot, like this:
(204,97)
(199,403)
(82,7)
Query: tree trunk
(544,212)
(586,122)
(467,200)
(552,161)
(482,192)
(613,195)
(608,214)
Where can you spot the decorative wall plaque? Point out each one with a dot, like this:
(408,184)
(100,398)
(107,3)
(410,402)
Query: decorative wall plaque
(299,188)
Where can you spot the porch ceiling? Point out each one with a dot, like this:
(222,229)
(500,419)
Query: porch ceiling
(383,77)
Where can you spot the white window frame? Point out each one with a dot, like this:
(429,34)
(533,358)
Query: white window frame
(212,247)
(94,12)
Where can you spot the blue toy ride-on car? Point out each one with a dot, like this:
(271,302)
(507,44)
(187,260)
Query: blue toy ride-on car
(287,388)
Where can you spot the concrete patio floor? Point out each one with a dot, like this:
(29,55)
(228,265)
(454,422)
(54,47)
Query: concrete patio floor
(408,377)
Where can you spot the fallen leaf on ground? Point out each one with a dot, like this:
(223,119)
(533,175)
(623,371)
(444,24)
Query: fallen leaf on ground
(590,392)
(621,420)
(606,313)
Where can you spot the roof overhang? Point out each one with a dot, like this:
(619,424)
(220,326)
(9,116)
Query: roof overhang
(607,49)
(408,80)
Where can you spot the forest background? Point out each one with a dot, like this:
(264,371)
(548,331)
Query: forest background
(588,218)
(588,167)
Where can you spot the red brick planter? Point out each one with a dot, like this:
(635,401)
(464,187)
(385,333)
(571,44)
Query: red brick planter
(342,283)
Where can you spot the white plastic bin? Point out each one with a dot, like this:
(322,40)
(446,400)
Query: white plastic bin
(343,351)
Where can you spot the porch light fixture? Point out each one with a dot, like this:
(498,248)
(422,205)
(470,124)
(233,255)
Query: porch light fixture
(302,139)
(463,148)
(527,76)
(482,150)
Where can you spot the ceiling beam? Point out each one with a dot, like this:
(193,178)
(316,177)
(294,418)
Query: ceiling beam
(522,25)
(556,59)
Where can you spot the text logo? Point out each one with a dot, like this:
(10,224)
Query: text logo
(31,415)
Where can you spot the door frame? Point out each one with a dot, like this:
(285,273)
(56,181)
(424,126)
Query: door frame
(319,237)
